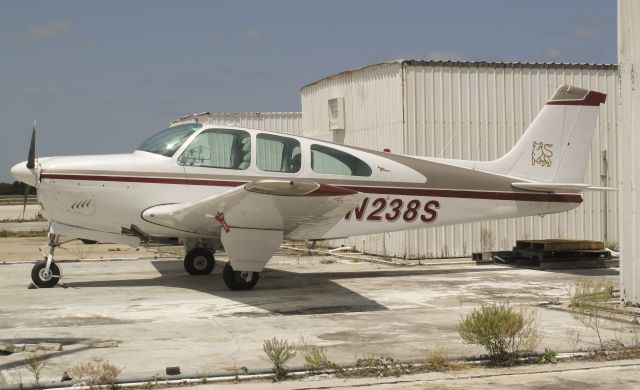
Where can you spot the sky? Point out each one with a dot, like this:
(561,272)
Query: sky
(102,76)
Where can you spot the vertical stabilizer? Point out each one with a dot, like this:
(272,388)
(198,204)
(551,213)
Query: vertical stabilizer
(555,148)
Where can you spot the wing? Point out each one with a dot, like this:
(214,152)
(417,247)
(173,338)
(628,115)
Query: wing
(300,209)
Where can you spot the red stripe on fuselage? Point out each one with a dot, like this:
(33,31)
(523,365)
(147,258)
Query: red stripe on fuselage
(466,194)
(470,194)
(139,179)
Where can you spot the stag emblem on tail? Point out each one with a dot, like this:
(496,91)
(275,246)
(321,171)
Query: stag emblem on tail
(541,154)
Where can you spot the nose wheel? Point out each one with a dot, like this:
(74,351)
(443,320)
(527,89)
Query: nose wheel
(44,277)
(46,273)
(239,280)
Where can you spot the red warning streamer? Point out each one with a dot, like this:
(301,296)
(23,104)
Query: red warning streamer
(220,218)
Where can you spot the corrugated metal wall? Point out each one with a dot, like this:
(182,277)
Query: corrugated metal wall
(629,123)
(478,112)
(467,111)
(372,106)
(285,122)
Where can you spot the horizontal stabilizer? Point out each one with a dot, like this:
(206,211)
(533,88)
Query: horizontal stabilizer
(559,187)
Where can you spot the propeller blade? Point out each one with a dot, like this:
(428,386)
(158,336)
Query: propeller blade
(24,205)
(31,160)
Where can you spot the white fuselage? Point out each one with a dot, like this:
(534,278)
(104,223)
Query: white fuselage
(98,195)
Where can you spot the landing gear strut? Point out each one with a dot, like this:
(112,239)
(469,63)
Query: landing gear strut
(46,273)
(199,261)
(239,280)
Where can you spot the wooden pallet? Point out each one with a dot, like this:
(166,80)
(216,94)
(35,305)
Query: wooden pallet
(561,255)
(546,258)
(580,264)
(566,245)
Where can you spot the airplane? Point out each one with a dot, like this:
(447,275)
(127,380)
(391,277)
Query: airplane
(246,190)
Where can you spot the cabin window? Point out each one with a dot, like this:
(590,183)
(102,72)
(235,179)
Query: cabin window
(219,148)
(330,161)
(278,154)
(168,141)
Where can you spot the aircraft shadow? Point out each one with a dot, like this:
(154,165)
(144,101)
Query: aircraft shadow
(277,292)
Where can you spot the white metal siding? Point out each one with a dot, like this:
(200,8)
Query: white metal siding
(373,119)
(372,107)
(478,112)
(284,122)
(629,124)
(467,111)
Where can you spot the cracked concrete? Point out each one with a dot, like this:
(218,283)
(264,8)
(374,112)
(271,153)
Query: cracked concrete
(160,316)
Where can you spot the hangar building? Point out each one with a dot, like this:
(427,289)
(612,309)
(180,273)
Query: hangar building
(462,110)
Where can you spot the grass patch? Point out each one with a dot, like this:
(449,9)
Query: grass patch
(613,245)
(38,218)
(315,359)
(439,361)
(12,200)
(4,233)
(327,260)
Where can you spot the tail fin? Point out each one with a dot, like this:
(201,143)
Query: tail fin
(555,148)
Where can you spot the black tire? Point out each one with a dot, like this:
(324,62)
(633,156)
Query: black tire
(239,280)
(42,280)
(199,261)
(88,242)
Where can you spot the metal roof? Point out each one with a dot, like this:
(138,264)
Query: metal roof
(477,64)
(197,115)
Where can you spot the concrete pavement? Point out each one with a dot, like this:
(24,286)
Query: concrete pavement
(15,211)
(160,316)
(30,249)
(24,226)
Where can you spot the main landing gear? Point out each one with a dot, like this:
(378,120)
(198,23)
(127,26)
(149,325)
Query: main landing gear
(239,280)
(199,261)
(46,273)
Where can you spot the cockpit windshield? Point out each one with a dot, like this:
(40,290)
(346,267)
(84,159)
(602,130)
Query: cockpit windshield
(168,141)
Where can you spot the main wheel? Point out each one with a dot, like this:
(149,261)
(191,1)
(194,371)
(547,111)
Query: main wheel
(43,278)
(239,280)
(199,261)
(88,242)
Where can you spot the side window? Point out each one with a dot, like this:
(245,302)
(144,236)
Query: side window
(220,148)
(335,162)
(278,154)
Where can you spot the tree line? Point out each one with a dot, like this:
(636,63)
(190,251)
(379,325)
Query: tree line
(15,188)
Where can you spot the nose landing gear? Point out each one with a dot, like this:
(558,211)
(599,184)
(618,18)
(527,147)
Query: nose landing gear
(46,273)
